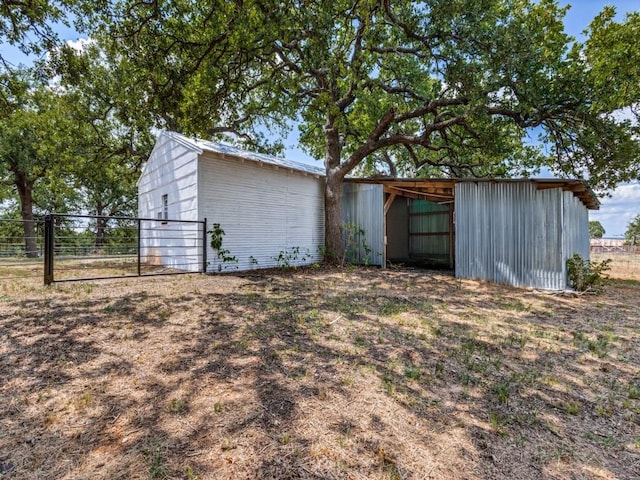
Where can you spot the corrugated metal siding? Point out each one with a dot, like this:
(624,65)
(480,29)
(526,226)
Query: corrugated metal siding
(264,210)
(510,233)
(170,170)
(363,205)
(575,228)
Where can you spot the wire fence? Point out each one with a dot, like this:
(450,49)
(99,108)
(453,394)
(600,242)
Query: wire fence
(21,248)
(624,260)
(84,247)
(93,247)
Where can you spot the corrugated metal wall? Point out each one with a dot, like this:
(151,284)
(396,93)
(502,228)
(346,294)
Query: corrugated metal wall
(576,227)
(171,170)
(264,211)
(363,206)
(513,233)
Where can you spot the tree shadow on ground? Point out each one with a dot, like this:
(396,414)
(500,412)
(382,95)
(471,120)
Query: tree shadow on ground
(322,375)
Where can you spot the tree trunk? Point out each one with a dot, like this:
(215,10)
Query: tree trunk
(333,242)
(25,192)
(101,225)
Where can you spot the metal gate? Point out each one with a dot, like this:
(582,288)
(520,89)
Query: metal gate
(92,247)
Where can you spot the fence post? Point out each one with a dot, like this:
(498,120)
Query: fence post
(204,245)
(48,249)
(138,244)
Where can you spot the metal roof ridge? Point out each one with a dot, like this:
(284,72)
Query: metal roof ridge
(235,151)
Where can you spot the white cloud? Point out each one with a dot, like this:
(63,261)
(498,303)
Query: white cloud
(617,210)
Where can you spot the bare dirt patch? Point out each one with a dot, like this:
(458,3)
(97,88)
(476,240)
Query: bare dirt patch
(345,374)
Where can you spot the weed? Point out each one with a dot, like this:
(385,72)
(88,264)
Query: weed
(217,407)
(498,422)
(83,401)
(571,407)
(156,461)
(392,307)
(191,475)
(467,379)
(227,444)
(600,345)
(177,406)
(412,372)
(518,341)
(633,389)
(291,258)
(608,441)
(501,390)
(356,250)
(223,254)
(387,384)
(583,275)
(360,341)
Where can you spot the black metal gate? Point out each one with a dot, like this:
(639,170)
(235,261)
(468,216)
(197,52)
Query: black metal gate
(92,247)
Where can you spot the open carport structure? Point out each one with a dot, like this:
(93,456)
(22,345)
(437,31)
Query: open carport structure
(512,231)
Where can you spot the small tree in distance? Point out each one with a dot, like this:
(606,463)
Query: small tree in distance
(633,232)
(596,230)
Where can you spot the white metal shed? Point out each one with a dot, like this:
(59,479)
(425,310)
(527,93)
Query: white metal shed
(271,209)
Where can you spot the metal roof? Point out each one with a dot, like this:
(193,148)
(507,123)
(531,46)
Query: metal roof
(232,151)
(442,190)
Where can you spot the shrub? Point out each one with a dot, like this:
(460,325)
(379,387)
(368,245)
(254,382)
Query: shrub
(584,275)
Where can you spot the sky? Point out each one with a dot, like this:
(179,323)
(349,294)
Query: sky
(617,209)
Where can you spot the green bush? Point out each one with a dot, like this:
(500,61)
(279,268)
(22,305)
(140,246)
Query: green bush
(584,275)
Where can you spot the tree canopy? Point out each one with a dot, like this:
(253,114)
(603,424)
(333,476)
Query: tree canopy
(596,230)
(436,88)
(454,88)
(632,235)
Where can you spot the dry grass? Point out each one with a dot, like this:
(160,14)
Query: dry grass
(348,374)
(623,265)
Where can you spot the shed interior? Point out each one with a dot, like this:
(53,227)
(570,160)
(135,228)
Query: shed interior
(419,216)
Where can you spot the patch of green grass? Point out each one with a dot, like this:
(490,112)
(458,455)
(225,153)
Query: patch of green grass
(608,441)
(156,461)
(502,391)
(515,341)
(412,372)
(633,389)
(392,307)
(571,407)
(177,406)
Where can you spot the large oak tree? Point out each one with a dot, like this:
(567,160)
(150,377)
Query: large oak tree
(454,86)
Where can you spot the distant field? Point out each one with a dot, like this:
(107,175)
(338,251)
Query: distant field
(360,374)
(623,266)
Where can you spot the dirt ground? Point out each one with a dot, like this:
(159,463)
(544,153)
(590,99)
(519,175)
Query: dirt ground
(317,374)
